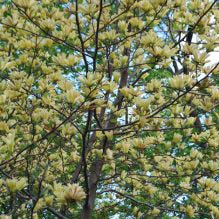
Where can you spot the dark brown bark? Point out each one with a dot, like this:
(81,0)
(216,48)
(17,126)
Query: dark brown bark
(95,169)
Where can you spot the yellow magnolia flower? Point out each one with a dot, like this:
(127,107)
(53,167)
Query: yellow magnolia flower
(215,211)
(10,141)
(15,184)
(123,26)
(48,200)
(73,96)
(123,174)
(190,210)
(177,138)
(4,216)
(25,3)
(74,192)
(3,126)
(155,211)
(109,154)
(39,205)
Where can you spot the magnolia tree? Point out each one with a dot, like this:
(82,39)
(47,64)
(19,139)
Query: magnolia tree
(109,109)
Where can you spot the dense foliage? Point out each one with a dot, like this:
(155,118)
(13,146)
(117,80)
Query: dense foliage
(109,109)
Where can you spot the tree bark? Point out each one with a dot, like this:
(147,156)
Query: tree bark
(96,168)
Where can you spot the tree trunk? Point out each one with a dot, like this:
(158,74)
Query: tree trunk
(86,213)
(96,168)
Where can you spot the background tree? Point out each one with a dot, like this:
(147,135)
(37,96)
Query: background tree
(109,109)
